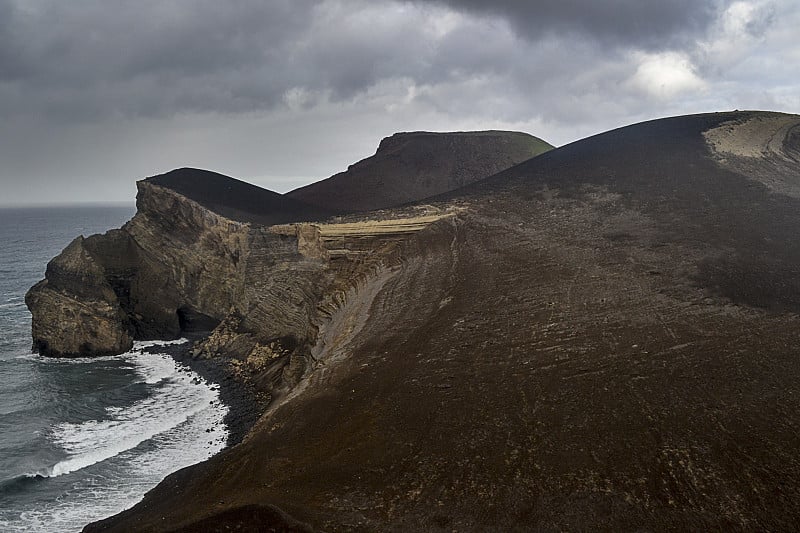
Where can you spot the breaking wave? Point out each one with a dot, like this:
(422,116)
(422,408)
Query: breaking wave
(108,463)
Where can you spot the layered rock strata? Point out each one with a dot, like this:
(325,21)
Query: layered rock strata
(262,291)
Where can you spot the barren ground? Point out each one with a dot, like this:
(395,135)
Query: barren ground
(603,338)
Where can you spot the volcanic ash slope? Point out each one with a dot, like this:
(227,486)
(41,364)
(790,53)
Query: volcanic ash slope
(602,337)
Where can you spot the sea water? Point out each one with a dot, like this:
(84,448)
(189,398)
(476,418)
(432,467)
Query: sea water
(82,439)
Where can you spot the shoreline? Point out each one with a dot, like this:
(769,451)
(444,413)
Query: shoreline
(245,404)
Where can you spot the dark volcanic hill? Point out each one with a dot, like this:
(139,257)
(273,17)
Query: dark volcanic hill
(411,166)
(604,337)
(236,199)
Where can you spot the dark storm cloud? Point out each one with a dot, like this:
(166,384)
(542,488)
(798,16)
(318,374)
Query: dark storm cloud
(102,91)
(79,59)
(85,61)
(89,60)
(11,64)
(634,23)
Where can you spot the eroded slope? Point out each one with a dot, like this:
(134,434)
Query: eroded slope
(603,337)
(764,147)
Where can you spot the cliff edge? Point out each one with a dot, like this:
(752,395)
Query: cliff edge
(177,266)
(204,247)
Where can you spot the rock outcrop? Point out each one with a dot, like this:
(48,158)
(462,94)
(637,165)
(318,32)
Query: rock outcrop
(412,166)
(176,266)
(204,247)
(76,308)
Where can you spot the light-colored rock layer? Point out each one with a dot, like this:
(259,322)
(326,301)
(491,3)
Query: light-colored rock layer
(765,147)
(758,136)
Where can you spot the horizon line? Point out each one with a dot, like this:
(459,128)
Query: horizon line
(91,203)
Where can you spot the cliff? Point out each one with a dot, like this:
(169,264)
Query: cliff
(76,308)
(203,248)
(411,166)
(176,266)
(262,292)
(604,335)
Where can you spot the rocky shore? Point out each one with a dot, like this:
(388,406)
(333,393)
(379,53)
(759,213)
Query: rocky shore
(245,402)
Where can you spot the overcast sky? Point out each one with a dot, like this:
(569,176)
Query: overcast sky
(95,94)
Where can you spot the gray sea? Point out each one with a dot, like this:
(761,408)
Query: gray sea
(83,439)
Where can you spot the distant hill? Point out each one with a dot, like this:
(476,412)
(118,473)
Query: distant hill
(236,199)
(412,166)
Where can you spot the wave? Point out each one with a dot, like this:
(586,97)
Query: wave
(157,370)
(96,468)
(175,399)
(19,482)
(148,344)
(84,498)
(40,359)
(138,349)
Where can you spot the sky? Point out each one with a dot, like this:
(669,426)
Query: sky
(96,94)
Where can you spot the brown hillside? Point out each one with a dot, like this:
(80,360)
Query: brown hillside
(601,338)
(412,166)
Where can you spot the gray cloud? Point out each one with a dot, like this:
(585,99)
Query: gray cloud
(11,63)
(86,61)
(283,90)
(89,60)
(147,57)
(639,23)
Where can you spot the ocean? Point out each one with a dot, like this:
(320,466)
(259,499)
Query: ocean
(82,439)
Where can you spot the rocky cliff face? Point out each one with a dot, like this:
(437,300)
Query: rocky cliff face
(205,250)
(76,309)
(176,266)
(263,291)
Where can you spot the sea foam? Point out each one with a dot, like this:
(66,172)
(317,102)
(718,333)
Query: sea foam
(111,462)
